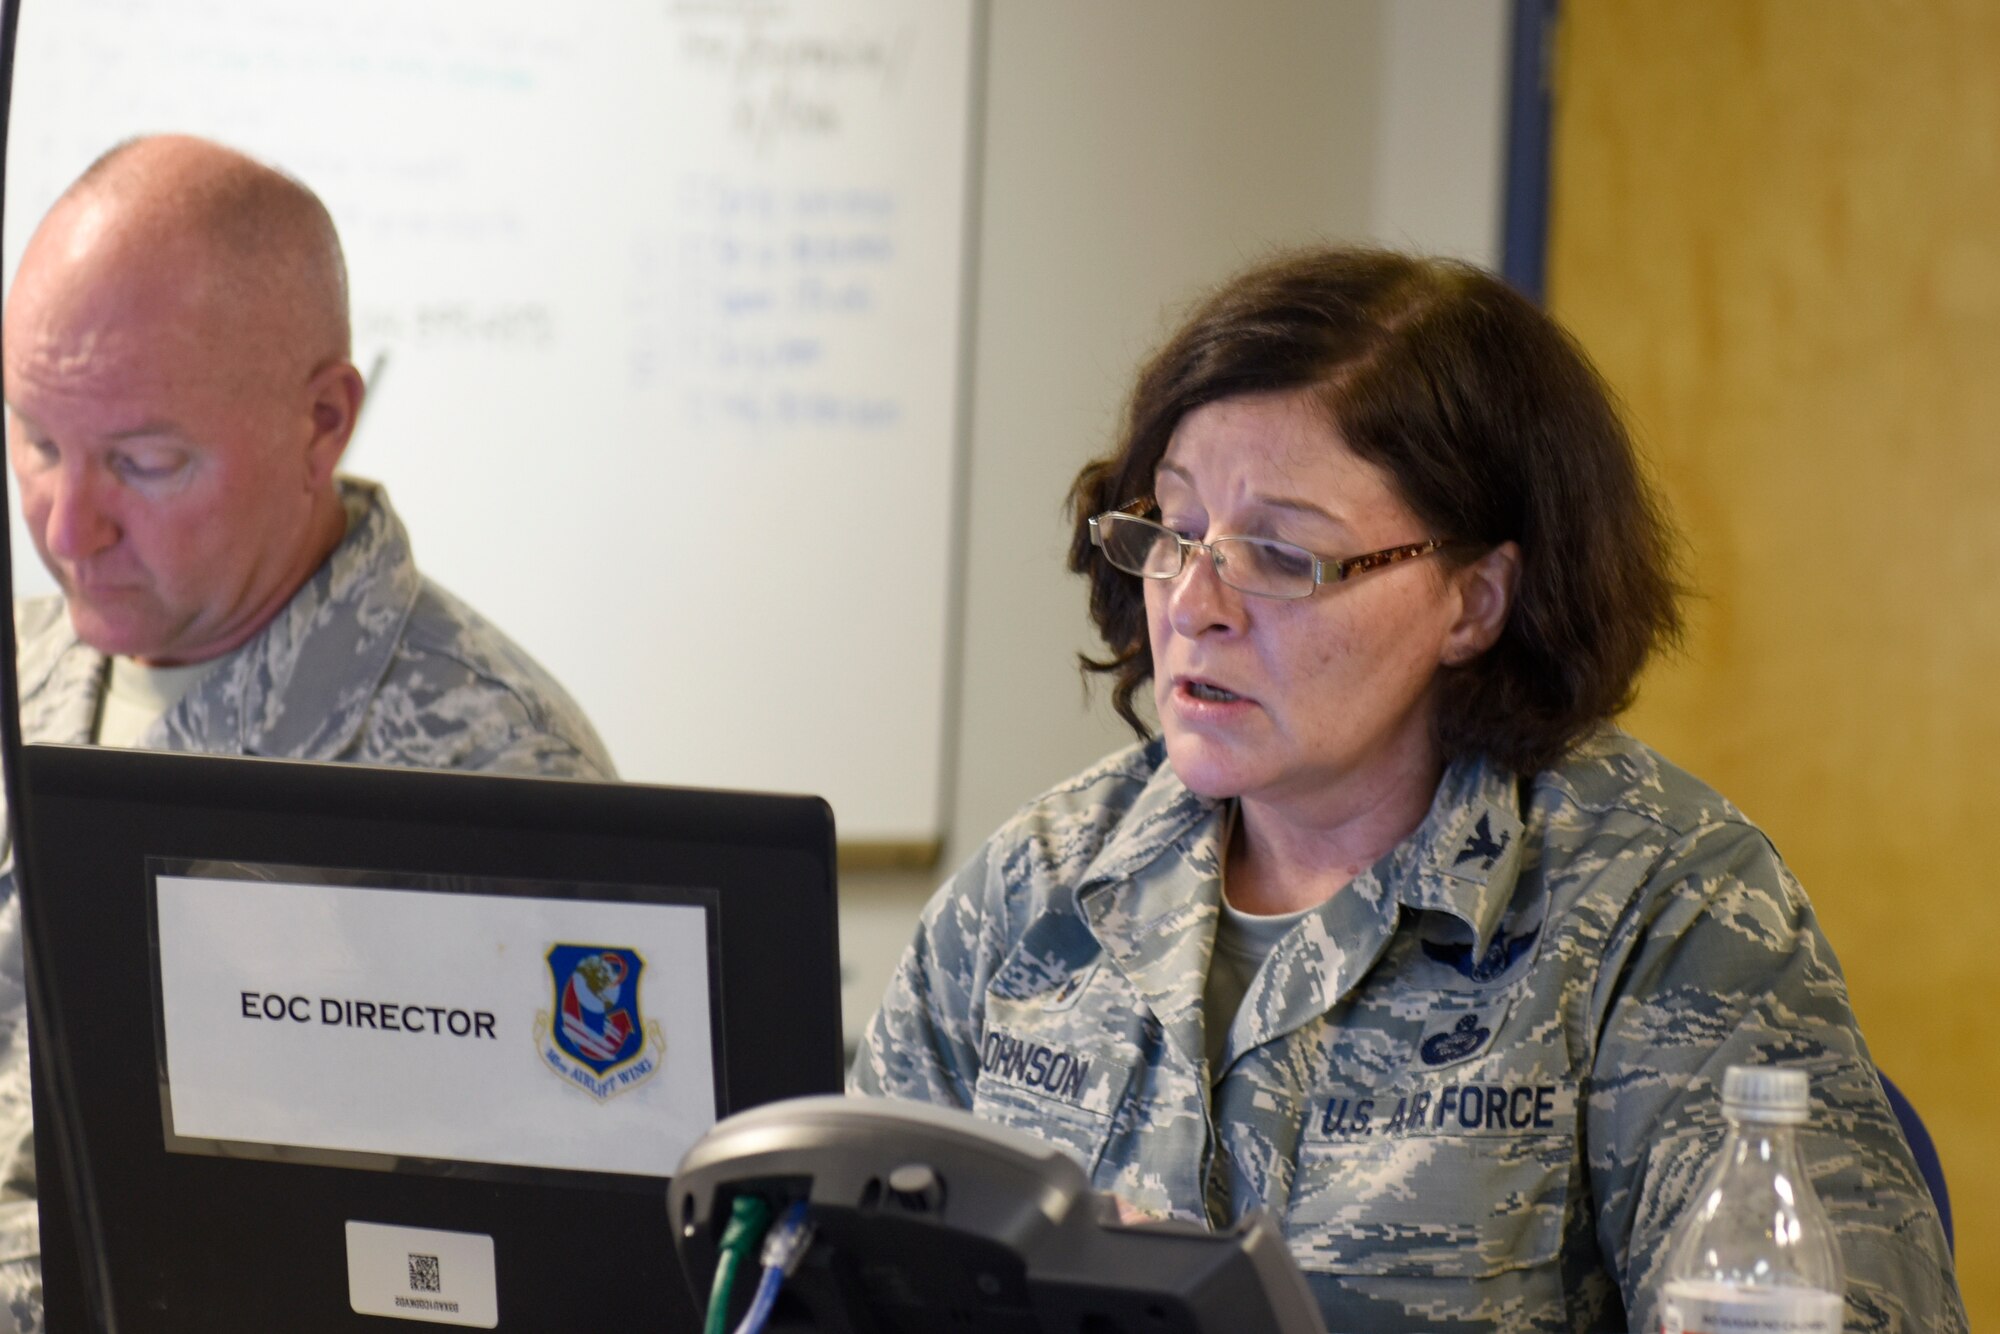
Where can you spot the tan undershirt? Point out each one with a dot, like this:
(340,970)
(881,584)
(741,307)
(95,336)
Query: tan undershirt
(1242,942)
(137,696)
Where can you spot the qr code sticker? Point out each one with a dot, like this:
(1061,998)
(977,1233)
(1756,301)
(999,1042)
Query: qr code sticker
(424,1276)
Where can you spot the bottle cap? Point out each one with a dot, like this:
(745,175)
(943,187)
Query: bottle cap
(1766,1093)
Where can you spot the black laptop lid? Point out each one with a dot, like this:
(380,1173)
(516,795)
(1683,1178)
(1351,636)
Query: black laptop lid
(569,943)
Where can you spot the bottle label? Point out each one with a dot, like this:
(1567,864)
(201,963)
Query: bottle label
(1718,1308)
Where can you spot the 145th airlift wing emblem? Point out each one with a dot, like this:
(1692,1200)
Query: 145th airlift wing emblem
(595,1036)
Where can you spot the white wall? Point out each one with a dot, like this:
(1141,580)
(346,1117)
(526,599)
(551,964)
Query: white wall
(1440,168)
(1134,152)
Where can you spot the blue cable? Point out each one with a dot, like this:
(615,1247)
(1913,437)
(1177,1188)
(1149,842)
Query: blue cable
(782,1251)
(760,1305)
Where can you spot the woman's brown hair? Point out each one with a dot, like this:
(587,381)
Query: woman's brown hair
(1494,427)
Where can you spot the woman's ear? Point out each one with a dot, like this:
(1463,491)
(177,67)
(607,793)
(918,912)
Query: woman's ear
(1485,590)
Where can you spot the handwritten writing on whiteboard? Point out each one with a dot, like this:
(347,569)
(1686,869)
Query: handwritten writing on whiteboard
(787,79)
(775,295)
(487,325)
(747,304)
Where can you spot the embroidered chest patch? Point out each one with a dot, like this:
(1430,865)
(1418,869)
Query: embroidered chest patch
(1451,1038)
(1500,958)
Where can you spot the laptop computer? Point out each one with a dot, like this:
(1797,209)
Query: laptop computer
(348,1044)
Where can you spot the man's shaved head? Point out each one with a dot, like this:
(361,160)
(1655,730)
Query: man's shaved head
(177,365)
(271,242)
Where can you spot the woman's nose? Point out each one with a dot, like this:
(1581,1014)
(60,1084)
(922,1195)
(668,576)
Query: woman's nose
(1197,599)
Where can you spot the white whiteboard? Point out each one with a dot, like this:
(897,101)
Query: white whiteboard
(662,304)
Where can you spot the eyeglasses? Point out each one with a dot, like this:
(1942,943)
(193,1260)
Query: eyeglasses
(1260,566)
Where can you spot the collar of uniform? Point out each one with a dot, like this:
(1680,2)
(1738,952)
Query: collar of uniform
(60,676)
(1153,905)
(1465,857)
(300,688)
(1321,959)
(1156,822)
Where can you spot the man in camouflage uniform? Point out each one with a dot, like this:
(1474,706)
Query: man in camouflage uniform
(1477,1086)
(178,374)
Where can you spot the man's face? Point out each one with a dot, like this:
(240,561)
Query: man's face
(160,454)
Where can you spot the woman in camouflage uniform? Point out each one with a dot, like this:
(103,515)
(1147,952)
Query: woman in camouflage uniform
(1389,931)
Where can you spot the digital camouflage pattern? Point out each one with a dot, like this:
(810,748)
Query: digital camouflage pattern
(1477,1086)
(369,663)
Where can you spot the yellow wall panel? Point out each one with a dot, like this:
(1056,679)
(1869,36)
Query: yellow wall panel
(1776,226)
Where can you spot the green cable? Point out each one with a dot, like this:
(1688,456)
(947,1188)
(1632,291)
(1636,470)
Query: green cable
(749,1217)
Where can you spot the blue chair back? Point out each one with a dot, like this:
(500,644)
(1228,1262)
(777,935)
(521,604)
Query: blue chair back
(1926,1154)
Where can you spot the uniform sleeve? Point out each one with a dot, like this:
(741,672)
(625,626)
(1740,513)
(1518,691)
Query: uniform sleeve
(923,1043)
(1720,962)
(20,1220)
(523,726)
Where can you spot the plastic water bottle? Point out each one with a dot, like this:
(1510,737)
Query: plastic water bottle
(1755,1253)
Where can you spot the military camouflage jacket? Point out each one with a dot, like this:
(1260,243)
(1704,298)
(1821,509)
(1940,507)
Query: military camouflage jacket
(1476,1086)
(368,663)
